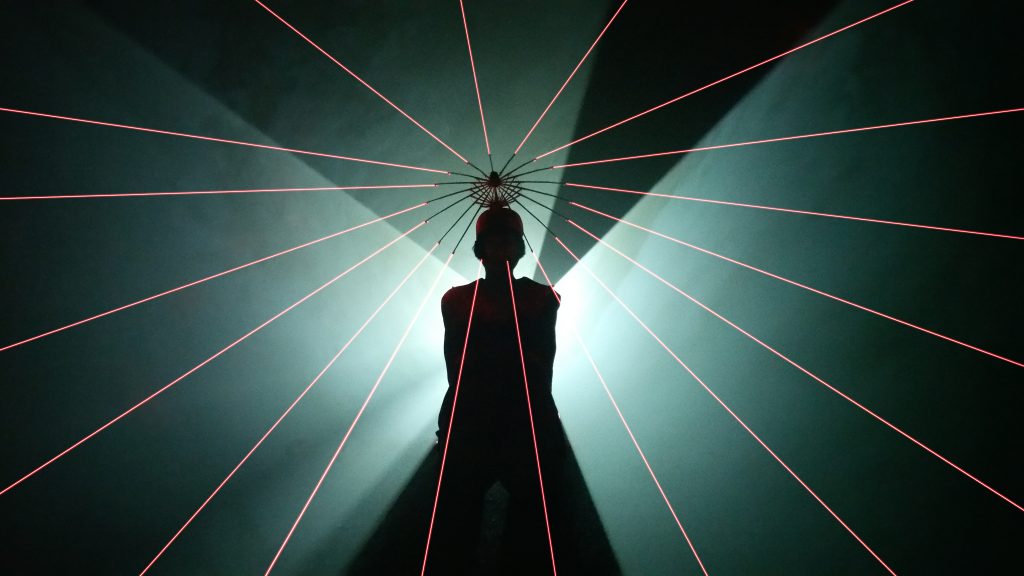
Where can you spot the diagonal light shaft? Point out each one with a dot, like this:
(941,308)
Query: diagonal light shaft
(451,419)
(640,451)
(220,140)
(359,415)
(168,386)
(791,362)
(791,138)
(805,287)
(529,410)
(207,278)
(794,211)
(476,84)
(727,409)
(215,192)
(725,79)
(569,79)
(629,430)
(361,81)
(289,409)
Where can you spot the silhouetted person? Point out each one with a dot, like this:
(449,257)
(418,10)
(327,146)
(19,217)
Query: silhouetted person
(491,443)
(491,434)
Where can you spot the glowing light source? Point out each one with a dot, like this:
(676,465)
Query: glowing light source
(359,415)
(220,140)
(290,407)
(207,278)
(805,287)
(529,409)
(726,408)
(791,362)
(721,80)
(361,81)
(168,386)
(629,430)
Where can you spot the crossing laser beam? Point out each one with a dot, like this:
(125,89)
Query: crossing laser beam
(794,211)
(569,79)
(640,451)
(451,419)
(359,415)
(805,287)
(476,84)
(726,408)
(208,278)
(790,138)
(220,140)
(529,409)
(290,407)
(726,78)
(544,272)
(168,386)
(793,363)
(361,81)
(629,430)
(214,192)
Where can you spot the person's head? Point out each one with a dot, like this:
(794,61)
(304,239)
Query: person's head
(499,237)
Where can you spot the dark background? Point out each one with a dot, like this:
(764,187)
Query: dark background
(229,69)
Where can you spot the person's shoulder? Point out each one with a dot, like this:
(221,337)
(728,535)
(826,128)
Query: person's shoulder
(531,284)
(537,290)
(457,294)
(456,291)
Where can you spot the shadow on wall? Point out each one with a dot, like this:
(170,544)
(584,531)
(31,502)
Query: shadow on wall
(655,52)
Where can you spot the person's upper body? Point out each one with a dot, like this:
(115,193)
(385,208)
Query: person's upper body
(491,404)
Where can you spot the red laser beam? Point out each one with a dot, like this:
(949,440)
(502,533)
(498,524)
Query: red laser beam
(451,420)
(221,140)
(359,415)
(643,457)
(361,81)
(801,368)
(472,65)
(790,138)
(529,409)
(289,409)
(211,277)
(205,362)
(629,430)
(721,80)
(729,410)
(569,79)
(805,287)
(216,192)
(794,211)
(546,277)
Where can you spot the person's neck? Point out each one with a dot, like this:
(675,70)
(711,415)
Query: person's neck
(496,272)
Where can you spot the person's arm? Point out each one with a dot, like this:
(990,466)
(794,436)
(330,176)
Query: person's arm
(452,345)
(550,317)
(542,356)
(451,359)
